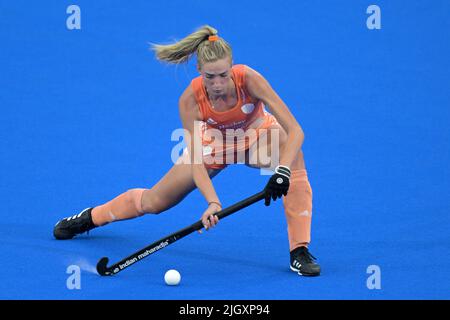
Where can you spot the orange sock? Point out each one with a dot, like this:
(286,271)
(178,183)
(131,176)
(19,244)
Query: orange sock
(125,206)
(298,209)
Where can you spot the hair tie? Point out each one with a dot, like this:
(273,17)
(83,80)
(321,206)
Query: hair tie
(213,38)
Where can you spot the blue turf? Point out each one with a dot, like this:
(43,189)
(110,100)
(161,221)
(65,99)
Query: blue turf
(88,114)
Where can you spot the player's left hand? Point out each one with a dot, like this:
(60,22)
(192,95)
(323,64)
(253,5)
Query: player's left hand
(278,184)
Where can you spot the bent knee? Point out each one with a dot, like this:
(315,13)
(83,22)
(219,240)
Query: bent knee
(134,200)
(153,203)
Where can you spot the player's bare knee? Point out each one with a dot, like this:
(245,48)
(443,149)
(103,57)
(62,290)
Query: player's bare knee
(152,202)
(134,200)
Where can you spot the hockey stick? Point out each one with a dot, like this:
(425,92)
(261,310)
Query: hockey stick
(104,270)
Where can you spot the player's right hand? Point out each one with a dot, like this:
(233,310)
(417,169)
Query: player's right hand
(209,220)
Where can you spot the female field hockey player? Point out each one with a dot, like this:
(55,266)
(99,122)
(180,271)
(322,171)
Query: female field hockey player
(223,97)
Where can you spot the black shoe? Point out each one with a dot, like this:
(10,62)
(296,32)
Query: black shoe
(302,262)
(69,227)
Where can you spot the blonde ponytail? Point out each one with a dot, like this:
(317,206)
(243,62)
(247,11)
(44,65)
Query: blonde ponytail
(196,43)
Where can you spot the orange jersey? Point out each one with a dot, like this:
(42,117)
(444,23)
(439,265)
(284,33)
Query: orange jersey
(246,110)
(248,113)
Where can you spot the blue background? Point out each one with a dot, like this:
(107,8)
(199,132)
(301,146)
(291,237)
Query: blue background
(88,114)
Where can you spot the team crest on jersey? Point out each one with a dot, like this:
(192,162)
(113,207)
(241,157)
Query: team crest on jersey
(248,108)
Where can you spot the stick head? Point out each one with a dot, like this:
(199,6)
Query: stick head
(102,269)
